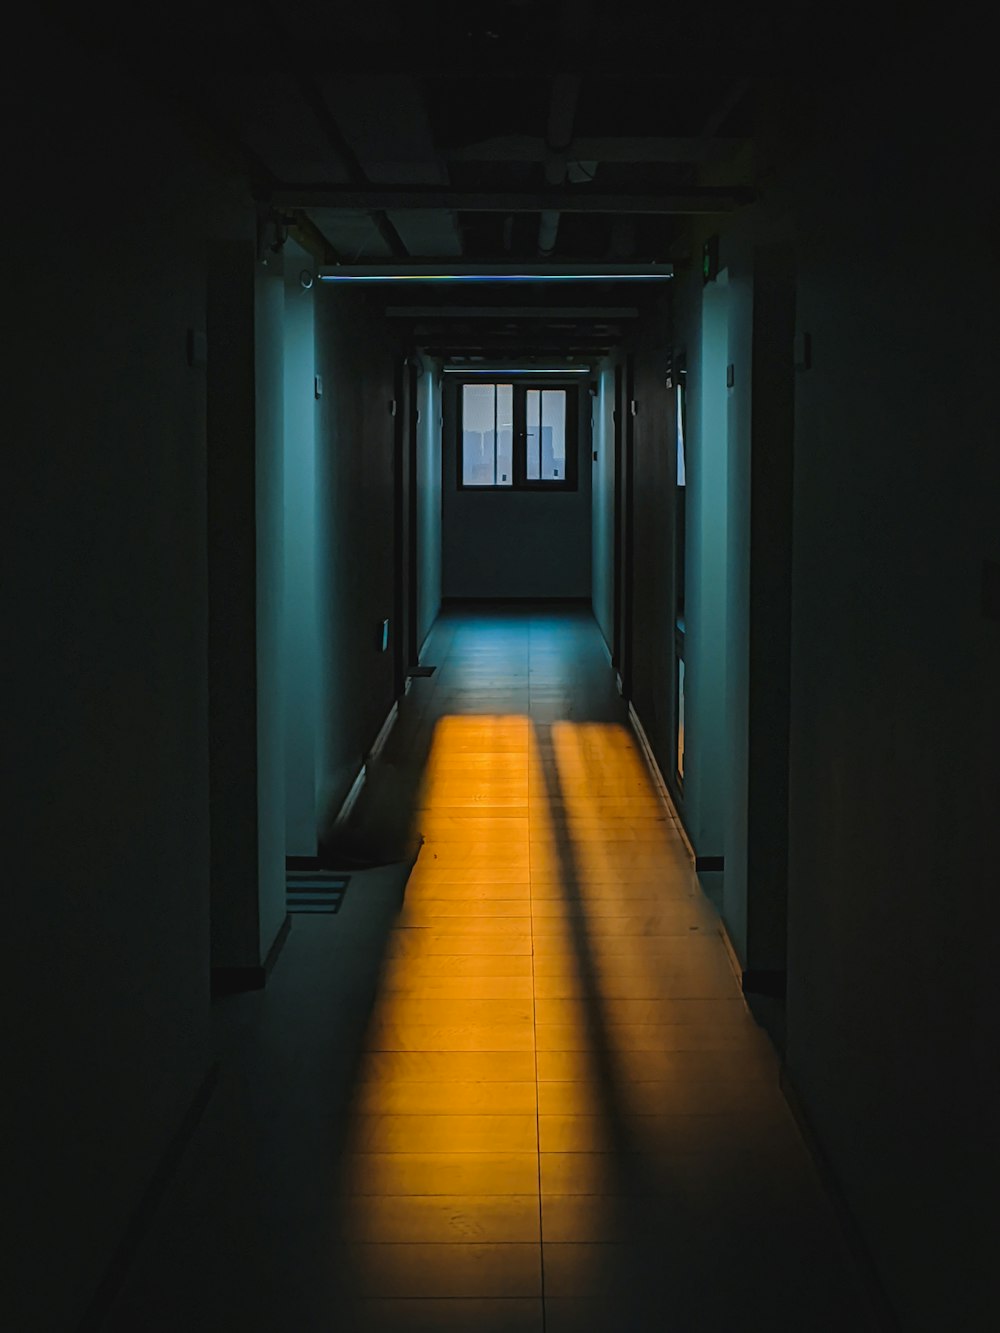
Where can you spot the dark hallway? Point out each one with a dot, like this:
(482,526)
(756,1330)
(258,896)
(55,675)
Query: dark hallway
(503,585)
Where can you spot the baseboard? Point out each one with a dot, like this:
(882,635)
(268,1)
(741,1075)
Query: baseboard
(864,1262)
(235,980)
(303,863)
(427,637)
(658,779)
(137,1226)
(734,959)
(383,733)
(771,982)
(667,799)
(350,800)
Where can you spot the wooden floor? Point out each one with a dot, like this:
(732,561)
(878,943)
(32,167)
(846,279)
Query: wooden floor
(559,1114)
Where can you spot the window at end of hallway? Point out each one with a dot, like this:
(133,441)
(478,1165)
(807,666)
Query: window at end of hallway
(520,437)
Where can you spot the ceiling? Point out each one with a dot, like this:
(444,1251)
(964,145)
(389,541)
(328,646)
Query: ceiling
(511,132)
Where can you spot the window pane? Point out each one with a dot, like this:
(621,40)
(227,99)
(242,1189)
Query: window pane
(532,423)
(505,434)
(553,435)
(487,434)
(477,434)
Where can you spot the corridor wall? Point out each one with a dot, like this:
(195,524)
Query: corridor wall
(602,527)
(892,712)
(428,442)
(301,608)
(895,711)
(108,1040)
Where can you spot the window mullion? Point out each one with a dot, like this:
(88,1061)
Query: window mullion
(542,429)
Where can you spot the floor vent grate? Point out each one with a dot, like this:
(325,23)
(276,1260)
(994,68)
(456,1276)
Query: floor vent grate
(315,890)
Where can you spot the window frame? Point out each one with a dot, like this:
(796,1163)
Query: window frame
(519,455)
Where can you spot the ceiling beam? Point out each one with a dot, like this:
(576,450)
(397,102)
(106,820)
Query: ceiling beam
(456,58)
(527,148)
(312,98)
(687,199)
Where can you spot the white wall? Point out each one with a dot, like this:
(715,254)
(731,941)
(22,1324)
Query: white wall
(603,490)
(515,543)
(706,560)
(429,441)
(270,581)
(300,632)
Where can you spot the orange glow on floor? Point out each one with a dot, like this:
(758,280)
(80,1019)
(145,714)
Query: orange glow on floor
(533,1012)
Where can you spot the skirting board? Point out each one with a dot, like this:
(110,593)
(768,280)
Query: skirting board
(383,734)
(350,799)
(235,980)
(864,1262)
(427,638)
(765,981)
(665,797)
(142,1215)
(658,779)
